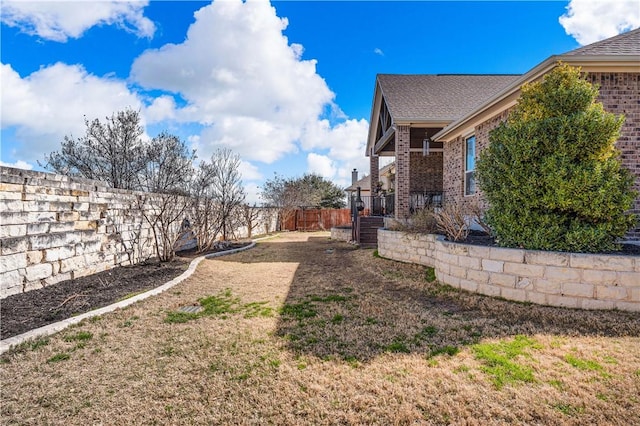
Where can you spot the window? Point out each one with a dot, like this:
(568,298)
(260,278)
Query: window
(470,166)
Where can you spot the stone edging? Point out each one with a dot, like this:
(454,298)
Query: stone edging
(49,329)
(572,280)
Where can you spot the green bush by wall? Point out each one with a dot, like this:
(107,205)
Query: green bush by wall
(552,174)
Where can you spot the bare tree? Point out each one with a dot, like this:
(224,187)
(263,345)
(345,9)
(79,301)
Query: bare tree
(168,165)
(280,194)
(216,192)
(164,212)
(250,217)
(112,152)
(227,187)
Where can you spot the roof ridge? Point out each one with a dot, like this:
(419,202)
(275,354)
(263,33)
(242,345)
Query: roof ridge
(605,42)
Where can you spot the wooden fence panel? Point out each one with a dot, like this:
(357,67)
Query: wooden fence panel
(316,219)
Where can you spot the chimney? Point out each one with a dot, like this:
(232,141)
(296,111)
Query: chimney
(354,176)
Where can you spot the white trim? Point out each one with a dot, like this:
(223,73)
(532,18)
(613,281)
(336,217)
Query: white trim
(467,171)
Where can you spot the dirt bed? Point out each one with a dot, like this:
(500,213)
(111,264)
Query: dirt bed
(27,311)
(305,330)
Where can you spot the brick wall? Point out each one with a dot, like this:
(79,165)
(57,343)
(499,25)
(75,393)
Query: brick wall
(620,94)
(403,159)
(374,171)
(453,171)
(426,172)
(574,280)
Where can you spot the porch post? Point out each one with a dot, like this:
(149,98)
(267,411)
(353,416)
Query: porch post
(403,145)
(374,170)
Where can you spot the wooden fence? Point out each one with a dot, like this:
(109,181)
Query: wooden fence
(316,219)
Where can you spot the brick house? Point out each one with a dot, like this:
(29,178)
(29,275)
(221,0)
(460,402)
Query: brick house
(453,115)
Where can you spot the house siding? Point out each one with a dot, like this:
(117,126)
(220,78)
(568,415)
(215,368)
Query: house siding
(426,172)
(453,171)
(619,94)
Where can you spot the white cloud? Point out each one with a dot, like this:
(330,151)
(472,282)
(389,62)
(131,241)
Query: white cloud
(242,78)
(344,143)
(161,108)
(321,165)
(589,21)
(60,20)
(52,102)
(18,165)
(249,171)
(378,51)
(252,190)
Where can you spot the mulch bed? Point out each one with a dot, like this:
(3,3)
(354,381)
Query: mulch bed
(483,239)
(22,312)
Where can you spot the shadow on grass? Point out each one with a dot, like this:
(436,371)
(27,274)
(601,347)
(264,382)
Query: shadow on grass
(345,303)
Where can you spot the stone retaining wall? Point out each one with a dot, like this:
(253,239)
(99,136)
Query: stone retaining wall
(55,228)
(341,233)
(574,280)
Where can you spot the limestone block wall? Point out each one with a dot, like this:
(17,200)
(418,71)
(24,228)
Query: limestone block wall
(407,247)
(574,280)
(55,228)
(341,233)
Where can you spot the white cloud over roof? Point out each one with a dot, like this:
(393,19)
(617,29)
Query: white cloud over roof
(61,20)
(589,21)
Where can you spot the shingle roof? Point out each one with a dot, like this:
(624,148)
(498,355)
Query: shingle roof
(623,44)
(439,97)
(365,182)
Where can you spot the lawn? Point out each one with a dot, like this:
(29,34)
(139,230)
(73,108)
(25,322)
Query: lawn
(305,330)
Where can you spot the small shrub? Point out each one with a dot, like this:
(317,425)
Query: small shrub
(452,221)
(424,222)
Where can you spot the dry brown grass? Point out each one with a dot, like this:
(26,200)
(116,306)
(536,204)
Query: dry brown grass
(350,339)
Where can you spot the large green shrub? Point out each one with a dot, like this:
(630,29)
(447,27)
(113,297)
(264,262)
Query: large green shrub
(552,174)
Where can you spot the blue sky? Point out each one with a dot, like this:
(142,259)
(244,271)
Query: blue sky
(287,85)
